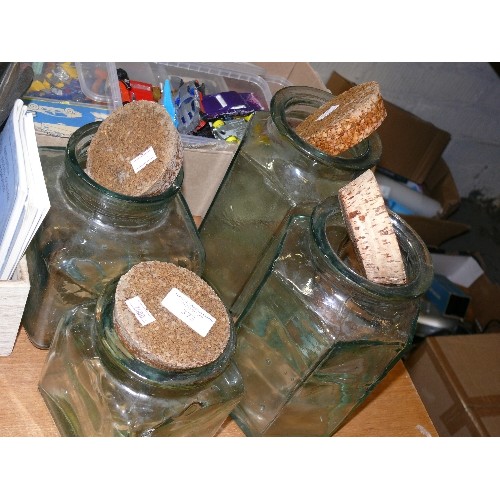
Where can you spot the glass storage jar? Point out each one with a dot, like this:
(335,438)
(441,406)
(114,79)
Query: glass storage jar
(96,385)
(316,336)
(92,235)
(273,174)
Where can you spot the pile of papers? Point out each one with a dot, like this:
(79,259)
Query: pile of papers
(24,201)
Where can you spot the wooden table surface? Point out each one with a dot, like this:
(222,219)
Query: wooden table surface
(394,408)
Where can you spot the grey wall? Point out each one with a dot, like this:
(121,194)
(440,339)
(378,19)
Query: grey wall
(462,98)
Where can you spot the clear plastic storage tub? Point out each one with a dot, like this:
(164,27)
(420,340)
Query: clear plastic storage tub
(240,77)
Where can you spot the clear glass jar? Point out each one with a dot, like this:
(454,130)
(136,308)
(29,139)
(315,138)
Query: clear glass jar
(273,174)
(316,337)
(94,386)
(92,235)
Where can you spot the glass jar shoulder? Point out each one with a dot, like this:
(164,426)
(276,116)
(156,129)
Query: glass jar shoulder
(272,162)
(302,279)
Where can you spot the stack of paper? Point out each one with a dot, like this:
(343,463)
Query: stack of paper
(24,201)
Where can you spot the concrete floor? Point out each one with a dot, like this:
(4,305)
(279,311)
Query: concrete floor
(483,216)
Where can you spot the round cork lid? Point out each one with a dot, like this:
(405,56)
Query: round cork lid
(169,318)
(345,120)
(136,151)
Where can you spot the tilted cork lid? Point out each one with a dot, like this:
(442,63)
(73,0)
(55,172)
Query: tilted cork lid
(345,120)
(370,230)
(136,151)
(169,318)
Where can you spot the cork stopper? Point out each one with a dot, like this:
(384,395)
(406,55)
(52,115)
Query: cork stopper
(345,120)
(136,151)
(169,318)
(370,230)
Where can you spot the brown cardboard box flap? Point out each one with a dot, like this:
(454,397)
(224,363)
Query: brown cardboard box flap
(484,303)
(434,232)
(458,379)
(203,173)
(440,185)
(410,145)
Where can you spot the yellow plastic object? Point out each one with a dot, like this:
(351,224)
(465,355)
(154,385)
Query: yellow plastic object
(70,69)
(37,86)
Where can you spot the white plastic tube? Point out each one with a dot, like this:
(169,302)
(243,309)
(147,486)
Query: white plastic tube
(415,202)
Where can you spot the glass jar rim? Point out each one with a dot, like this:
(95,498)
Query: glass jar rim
(291,97)
(112,348)
(410,242)
(72,162)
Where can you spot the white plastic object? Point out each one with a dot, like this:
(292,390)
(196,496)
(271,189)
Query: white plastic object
(417,203)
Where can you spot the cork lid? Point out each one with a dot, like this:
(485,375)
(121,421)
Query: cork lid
(345,120)
(370,230)
(169,318)
(136,151)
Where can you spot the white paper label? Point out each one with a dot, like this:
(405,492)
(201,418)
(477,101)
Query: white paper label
(136,305)
(140,161)
(331,109)
(221,100)
(181,306)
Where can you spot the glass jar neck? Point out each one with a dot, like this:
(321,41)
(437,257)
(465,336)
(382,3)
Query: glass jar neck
(328,232)
(291,105)
(101,203)
(119,358)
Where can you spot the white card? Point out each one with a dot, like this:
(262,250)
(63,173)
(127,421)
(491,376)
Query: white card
(181,306)
(140,161)
(141,312)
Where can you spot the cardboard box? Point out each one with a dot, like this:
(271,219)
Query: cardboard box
(458,380)
(439,185)
(462,270)
(468,272)
(410,146)
(484,303)
(434,232)
(449,299)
